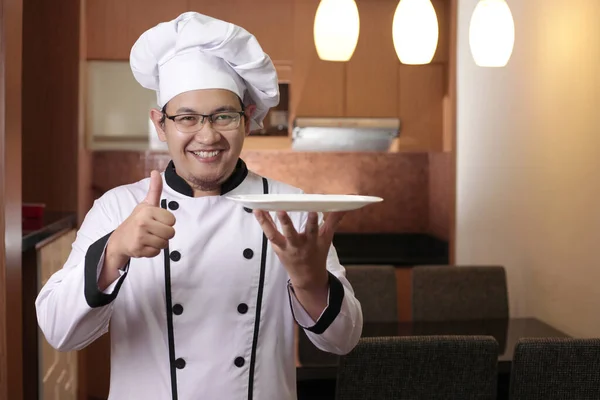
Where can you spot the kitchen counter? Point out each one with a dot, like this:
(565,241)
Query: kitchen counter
(52,223)
(397,249)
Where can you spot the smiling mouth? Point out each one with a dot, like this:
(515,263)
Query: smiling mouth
(207,154)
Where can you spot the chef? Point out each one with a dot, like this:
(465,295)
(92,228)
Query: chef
(201,294)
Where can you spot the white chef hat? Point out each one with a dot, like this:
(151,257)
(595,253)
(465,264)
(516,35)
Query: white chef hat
(195,51)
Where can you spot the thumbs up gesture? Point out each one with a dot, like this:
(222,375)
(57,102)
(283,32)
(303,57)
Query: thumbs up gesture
(146,231)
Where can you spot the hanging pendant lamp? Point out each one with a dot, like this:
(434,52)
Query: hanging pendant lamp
(415,31)
(336,29)
(491,33)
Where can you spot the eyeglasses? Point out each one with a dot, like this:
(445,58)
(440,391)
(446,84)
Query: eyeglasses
(221,121)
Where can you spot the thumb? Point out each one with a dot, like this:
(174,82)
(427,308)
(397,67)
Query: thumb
(155,189)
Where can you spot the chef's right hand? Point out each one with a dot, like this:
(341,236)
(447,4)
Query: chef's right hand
(143,234)
(148,229)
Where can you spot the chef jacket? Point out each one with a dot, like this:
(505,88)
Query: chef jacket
(212,316)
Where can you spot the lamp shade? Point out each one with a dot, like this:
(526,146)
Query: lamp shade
(491,33)
(415,31)
(336,29)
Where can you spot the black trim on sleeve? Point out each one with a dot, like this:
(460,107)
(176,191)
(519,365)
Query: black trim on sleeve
(93,296)
(336,297)
(261,283)
(169,307)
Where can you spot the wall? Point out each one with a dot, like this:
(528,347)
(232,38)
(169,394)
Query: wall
(11,318)
(50,103)
(402,179)
(527,187)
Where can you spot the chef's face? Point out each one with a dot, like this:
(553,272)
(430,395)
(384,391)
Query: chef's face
(204,153)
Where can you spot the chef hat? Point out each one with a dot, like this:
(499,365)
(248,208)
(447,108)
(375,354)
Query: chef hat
(195,51)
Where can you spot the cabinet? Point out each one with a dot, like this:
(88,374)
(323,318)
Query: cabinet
(420,107)
(318,87)
(372,84)
(372,72)
(269,20)
(58,368)
(113,26)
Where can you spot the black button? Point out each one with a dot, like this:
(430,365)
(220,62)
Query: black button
(243,308)
(239,362)
(248,253)
(248,210)
(177,309)
(173,205)
(180,363)
(175,256)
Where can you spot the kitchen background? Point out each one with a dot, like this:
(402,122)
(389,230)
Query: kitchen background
(96,133)
(497,163)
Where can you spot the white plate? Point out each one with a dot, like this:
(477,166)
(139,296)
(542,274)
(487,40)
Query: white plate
(304,202)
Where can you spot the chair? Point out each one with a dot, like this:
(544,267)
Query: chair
(375,287)
(556,368)
(419,368)
(453,293)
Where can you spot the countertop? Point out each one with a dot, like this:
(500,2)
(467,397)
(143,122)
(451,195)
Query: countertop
(52,223)
(397,249)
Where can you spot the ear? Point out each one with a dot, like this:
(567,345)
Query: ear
(156,116)
(248,113)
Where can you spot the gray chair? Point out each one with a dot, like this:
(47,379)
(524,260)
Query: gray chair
(556,369)
(419,368)
(375,287)
(459,293)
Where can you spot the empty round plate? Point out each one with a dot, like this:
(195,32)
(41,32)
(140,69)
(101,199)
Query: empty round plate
(304,202)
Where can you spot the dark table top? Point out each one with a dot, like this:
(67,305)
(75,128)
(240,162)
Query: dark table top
(316,364)
(51,223)
(398,249)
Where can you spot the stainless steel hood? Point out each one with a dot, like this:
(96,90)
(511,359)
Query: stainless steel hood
(344,134)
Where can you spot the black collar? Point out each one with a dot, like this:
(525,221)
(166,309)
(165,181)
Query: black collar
(179,184)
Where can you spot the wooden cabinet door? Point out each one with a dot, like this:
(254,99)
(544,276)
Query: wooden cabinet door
(421,107)
(372,72)
(318,87)
(113,26)
(269,20)
(58,369)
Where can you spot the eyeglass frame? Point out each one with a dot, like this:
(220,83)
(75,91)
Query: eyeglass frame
(204,117)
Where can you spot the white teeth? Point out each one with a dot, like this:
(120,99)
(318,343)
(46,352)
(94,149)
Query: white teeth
(207,154)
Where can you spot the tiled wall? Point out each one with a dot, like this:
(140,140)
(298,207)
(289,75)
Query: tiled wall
(440,190)
(402,179)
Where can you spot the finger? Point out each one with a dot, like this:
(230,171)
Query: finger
(163,216)
(161,230)
(332,221)
(154,190)
(269,228)
(312,226)
(154,241)
(149,252)
(287,228)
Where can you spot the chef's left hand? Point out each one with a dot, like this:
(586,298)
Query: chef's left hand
(304,255)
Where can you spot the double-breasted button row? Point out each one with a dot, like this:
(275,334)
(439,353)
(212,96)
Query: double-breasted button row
(238,362)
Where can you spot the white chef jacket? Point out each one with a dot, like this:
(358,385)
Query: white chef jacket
(211,317)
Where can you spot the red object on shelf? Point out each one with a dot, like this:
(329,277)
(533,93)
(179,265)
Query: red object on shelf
(32,216)
(33,210)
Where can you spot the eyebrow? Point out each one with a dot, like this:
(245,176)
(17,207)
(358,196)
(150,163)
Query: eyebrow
(220,109)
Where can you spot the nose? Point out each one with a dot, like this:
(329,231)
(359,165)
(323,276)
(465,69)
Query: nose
(207,135)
